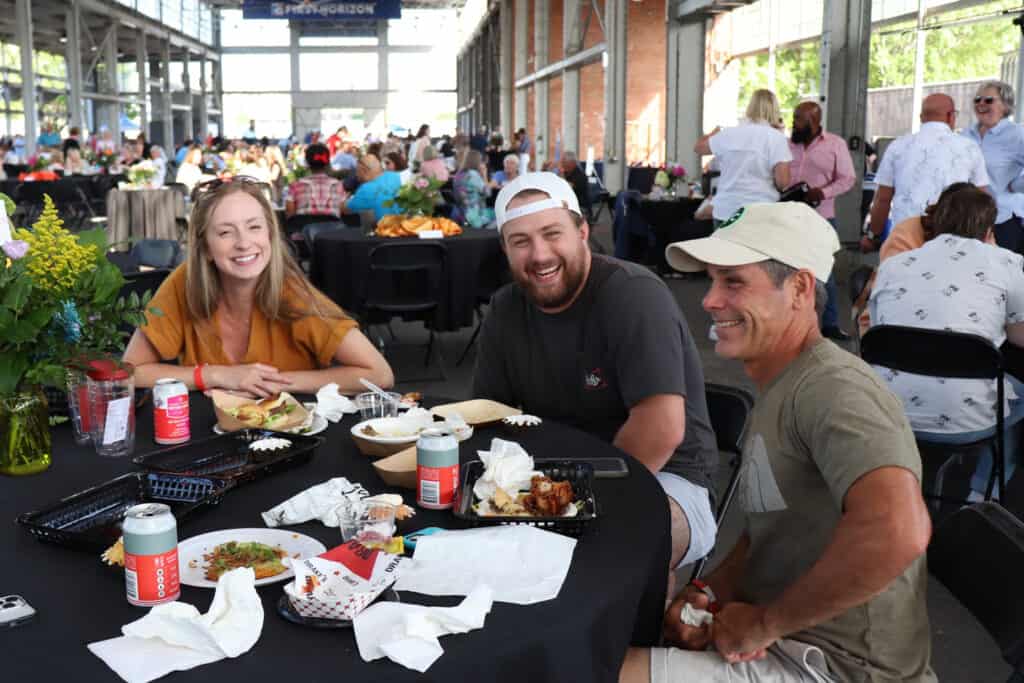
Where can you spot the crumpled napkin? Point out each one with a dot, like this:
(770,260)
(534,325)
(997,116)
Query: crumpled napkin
(332,405)
(694,616)
(408,634)
(506,466)
(410,423)
(316,502)
(176,637)
(522,564)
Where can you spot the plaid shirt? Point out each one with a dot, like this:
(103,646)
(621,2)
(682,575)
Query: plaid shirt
(318,195)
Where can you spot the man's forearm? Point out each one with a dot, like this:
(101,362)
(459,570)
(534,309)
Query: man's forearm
(655,428)
(879,213)
(725,580)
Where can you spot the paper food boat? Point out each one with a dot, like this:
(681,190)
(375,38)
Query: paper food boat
(342,582)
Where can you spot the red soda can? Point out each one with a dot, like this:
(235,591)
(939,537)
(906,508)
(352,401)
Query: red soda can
(437,469)
(170,412)
(151,573)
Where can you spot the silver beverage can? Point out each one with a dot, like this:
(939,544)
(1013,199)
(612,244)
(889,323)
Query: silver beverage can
(170,412)
(437,469)
(151,573)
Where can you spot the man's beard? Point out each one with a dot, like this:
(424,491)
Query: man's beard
(571,278)
(802,136)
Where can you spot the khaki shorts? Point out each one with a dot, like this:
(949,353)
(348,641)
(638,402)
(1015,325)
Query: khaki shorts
(787,661)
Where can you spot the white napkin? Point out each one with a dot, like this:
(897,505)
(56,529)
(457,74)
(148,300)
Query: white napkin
(523,564)
(412,422)
(176,637)
(316,502)
(5,226)
(506,466)
(408,634)
(331,404)
(694,616)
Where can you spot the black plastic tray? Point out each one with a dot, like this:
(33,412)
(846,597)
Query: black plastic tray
(228,455)
(579,473)
(91,519)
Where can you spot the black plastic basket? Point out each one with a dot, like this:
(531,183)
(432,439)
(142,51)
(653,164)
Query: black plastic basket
(91,519)
(228,456)
(579,474)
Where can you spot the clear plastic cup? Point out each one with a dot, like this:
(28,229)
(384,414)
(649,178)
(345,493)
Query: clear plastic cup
(112,407)
(373,405)
(367,522)
(78,406)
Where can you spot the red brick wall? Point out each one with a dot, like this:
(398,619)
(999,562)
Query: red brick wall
(531,123)
(645,82)
(592,110)
(554,115)
(555,49)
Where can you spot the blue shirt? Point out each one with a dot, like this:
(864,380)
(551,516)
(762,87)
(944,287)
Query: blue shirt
(179,158)
(1003,149)
(343,162)
(372,194)
(50,139)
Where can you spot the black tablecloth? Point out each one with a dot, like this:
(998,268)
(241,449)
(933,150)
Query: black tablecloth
(341,262)
(617,580)
(672,221)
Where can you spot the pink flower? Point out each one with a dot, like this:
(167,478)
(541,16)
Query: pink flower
(678,171)
(421,183)
(15,249)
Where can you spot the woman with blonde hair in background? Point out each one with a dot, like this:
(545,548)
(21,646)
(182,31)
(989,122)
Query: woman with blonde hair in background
(753,156)
(240,315)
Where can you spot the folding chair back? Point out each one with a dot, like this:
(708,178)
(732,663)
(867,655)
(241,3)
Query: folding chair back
(978,554)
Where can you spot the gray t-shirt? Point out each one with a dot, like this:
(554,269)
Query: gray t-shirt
(623,340)
(817,428)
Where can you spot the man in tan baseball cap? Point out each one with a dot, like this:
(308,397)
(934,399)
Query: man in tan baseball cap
(827,581)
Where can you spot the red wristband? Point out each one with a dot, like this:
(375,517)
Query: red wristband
(713,605)
(197,377)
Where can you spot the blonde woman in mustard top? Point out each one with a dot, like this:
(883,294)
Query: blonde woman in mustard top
(240,315)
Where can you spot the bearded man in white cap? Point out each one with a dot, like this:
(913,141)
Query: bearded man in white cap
(599,344)
(827,581)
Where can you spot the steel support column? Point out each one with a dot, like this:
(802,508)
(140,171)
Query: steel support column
(846,44)
(615,165)
(541,18)
(188,131)
(521,56)
(23,34)
(506,36)
(293,53)
(110,83)
(73,61)
(382,56)
(204,105)
(684,111)
(166,112)
(140,66)
(572,41)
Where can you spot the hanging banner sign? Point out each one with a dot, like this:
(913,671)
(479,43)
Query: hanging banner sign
(332,10)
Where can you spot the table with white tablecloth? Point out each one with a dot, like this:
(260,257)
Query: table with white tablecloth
(134,214)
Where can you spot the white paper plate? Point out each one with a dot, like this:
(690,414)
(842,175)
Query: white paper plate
(318,425)
(357,430)
(192,566)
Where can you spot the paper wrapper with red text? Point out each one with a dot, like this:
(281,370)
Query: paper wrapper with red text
(342,582)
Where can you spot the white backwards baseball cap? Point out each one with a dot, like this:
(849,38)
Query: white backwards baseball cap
(559,192)
(788,232)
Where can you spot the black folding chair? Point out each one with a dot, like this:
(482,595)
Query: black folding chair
(954,355)
(71,201)
(156,253)
(294,226)
(310,233)
(728,410)
(407,280)
(492,275)
(978,554)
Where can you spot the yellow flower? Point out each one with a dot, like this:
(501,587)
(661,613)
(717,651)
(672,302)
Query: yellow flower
(56,261)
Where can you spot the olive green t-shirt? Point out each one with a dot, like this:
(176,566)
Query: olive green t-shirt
(826,421)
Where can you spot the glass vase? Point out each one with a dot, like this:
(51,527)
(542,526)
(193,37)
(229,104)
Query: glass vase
(24,433)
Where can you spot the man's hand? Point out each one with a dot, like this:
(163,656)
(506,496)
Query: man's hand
(815,195)
(868,244)
(741,633)
(679,634)
(255,378)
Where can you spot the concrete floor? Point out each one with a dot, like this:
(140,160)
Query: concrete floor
(962,652)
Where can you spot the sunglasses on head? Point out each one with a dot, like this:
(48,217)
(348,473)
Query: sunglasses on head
(210,187)
(987,100)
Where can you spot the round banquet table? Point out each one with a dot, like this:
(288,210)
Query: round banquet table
(613,595)
(144,214)
(341,263)
(672,221)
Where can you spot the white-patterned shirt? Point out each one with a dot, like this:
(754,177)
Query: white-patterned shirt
(951,283)
(920,166)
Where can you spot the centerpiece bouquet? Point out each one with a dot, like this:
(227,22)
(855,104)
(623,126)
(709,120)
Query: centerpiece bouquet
(60,305)
(39,168)
(141,174)
(102,158)
(670,177)
(296,163)
(419,197)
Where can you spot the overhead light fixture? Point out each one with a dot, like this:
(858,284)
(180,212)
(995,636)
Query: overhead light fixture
(63,39)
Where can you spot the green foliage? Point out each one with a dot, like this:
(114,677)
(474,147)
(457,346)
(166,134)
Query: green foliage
(418,197)
(796,76)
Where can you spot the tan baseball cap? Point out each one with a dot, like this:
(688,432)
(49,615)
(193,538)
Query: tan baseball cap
(559,192)
(788,232)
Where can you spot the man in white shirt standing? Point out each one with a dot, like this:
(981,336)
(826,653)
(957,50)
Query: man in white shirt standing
(917,167)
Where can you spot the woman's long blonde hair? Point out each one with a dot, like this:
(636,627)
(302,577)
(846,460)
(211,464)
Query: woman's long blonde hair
(282,293)
(764,108)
